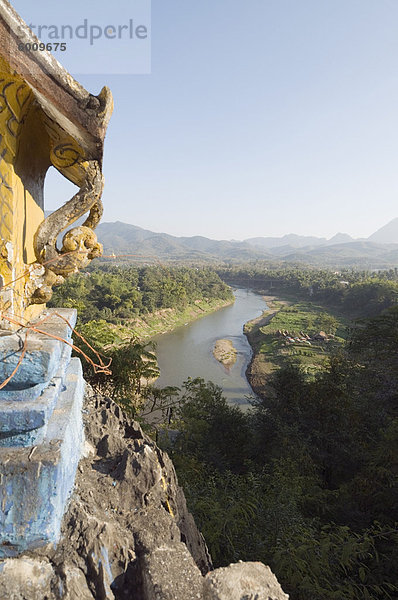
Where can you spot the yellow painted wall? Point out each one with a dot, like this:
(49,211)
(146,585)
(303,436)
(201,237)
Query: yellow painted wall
(20,214)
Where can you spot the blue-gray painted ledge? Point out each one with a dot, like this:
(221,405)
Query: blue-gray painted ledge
(41,437)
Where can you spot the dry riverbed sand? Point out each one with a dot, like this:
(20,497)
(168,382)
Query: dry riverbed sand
(225,352)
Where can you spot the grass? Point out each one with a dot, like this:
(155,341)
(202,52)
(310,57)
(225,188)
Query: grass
(273,350)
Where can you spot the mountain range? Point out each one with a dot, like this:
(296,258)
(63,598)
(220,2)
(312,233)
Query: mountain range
(378,251)
(298,241)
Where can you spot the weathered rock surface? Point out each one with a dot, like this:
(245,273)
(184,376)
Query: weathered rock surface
(243,581)
(127,533)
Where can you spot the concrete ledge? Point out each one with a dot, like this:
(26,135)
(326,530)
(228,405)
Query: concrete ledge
(35,482)
(42,356)
(23,423)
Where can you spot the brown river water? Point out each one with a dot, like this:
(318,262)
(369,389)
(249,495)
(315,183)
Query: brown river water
(187,351)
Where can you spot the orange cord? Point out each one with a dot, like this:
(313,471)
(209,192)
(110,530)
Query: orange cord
(99,367)
(18,364)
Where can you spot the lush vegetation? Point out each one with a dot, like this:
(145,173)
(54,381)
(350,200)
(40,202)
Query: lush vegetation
(306,481)
(118,294)
(293,333)
(119,308)
(126,305)
(356,292)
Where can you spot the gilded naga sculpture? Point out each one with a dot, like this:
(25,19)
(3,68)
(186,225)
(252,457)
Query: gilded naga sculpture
(46,118)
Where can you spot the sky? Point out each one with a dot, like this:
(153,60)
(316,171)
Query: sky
(237,119)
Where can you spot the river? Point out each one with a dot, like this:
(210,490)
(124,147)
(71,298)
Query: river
(188,351)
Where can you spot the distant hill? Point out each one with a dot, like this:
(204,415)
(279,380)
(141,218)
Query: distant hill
(340,238)
(292,240)
(339,251)
(298,241)
(387,234)
(121,238)
(359,254)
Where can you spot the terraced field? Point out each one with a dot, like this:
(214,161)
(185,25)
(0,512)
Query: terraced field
(300,330)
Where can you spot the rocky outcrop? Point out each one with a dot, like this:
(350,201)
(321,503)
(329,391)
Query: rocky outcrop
(127,533)
(243,581)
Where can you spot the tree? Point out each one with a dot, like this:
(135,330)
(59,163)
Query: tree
(133,366)
(209,428)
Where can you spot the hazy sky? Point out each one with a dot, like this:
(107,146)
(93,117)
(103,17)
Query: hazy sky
(259,117)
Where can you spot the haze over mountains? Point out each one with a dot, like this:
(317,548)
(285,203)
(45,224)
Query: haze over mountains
(298,241)
(387,234)
(380,250)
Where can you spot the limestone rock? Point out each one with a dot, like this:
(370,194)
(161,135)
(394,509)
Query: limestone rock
(127,533)
(243,581)
(26,579)
(168,574)
(75,585)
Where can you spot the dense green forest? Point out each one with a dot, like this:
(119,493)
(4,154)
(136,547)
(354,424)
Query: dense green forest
(356,292)
(307,480)
(117,294)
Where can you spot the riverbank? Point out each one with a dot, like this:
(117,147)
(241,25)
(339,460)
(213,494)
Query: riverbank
(292,329)
(260,367)
(104,335)
(168,319)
